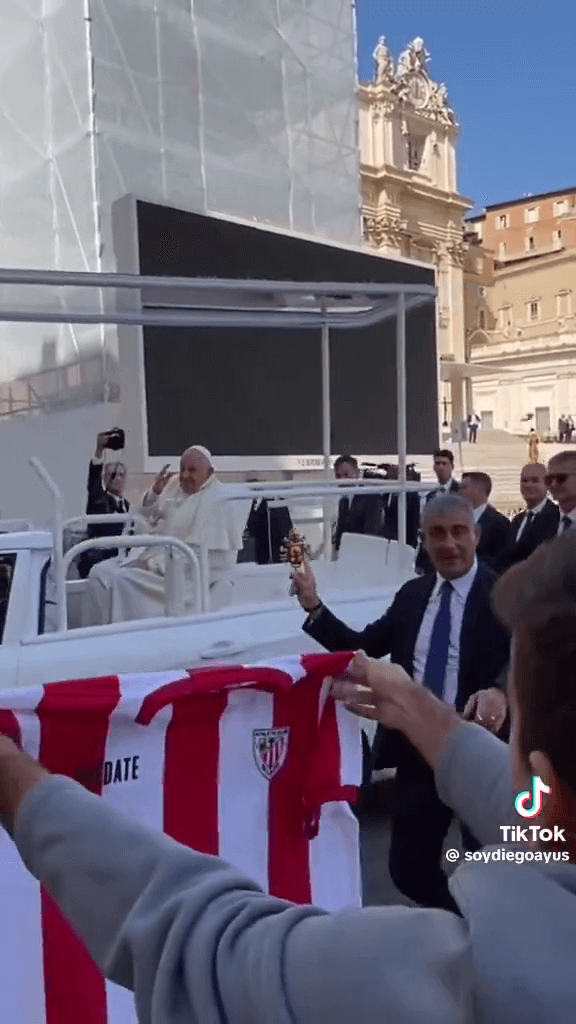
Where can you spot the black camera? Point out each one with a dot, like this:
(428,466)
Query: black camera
(115,439)
(388,471)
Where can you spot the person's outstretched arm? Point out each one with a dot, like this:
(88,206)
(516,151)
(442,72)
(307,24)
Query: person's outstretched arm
(334,635)
(471,766)
(197,941)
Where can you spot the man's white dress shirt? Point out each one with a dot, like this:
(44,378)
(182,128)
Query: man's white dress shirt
(444,488)
(535,511)
(477,512)
(441,489)
(460,591)
(562,526)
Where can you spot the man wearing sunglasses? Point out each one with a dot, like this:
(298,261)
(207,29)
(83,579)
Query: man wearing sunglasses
(561,482)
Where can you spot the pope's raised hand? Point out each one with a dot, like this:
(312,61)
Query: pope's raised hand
(162,479)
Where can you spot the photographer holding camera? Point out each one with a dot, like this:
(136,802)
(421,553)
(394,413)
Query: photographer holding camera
(106,482)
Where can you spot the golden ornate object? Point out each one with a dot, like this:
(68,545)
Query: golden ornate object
(294,550)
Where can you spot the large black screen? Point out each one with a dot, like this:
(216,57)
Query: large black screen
(258,392)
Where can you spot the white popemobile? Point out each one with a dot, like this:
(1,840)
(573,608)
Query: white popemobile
(42,636)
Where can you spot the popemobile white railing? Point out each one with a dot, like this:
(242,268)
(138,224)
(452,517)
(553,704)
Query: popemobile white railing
(174,599)
(102,518)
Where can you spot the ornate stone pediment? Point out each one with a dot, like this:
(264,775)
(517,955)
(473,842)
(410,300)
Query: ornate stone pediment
(411,83)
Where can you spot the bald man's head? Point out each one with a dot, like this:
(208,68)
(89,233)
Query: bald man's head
(195,468)
(533,484)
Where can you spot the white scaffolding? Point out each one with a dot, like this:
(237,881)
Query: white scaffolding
(228,107)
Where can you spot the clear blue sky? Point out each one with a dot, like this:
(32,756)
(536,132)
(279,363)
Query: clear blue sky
(510,71)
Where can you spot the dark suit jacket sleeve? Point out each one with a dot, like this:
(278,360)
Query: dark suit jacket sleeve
(499,534)
(375,639)
(96,504)
(510,554)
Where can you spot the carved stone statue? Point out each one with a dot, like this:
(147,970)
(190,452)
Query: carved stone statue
(438,104)
(384,70)
(414,58)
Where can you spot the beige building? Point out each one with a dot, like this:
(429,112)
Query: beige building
(410,200)
(523,323)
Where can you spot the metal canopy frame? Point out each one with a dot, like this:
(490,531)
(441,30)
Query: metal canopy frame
(325,305)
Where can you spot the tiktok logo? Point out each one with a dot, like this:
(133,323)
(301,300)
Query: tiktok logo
(522,799)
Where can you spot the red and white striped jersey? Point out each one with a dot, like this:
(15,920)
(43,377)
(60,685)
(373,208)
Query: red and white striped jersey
(254,764)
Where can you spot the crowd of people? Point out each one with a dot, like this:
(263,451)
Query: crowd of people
(190,505)
(442,630)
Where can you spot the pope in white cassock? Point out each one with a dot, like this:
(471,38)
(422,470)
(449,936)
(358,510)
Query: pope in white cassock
(191,507)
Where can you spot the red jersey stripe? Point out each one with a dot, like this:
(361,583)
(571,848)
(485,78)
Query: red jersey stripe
(73,728)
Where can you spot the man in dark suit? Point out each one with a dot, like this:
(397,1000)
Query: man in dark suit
(537,524)
(495,529)
(441,630)
(105,496)
(561,481)
(358,513)
(269,527)
(390,521)
(443,468)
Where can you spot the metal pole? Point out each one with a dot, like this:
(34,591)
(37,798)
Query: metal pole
(326,425)
(401,413)
(58,542)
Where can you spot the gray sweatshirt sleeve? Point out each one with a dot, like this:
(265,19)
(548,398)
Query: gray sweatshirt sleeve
(201,944)
(473,777)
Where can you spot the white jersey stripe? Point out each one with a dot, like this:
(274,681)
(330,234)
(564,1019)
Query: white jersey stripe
(334,864)
(243,823)
(349,731)
(133,784)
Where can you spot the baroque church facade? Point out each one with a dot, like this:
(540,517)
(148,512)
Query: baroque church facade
(411,206)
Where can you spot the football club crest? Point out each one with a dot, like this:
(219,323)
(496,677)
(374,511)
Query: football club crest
(270,747)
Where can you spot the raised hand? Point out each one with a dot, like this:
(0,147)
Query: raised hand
(162,479)
(101,444)
(304,586)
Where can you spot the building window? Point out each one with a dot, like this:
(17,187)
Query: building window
(479,265)
(505,317)
(415,152)
(560,207)
(529,243)
(502,250)
(502,221)
(534,309)
(557,237)
(532,214)
(482,319)
(481,291)
(563,304)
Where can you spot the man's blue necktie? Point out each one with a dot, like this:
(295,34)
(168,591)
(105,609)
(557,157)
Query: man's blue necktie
(566,524)
(437,660)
